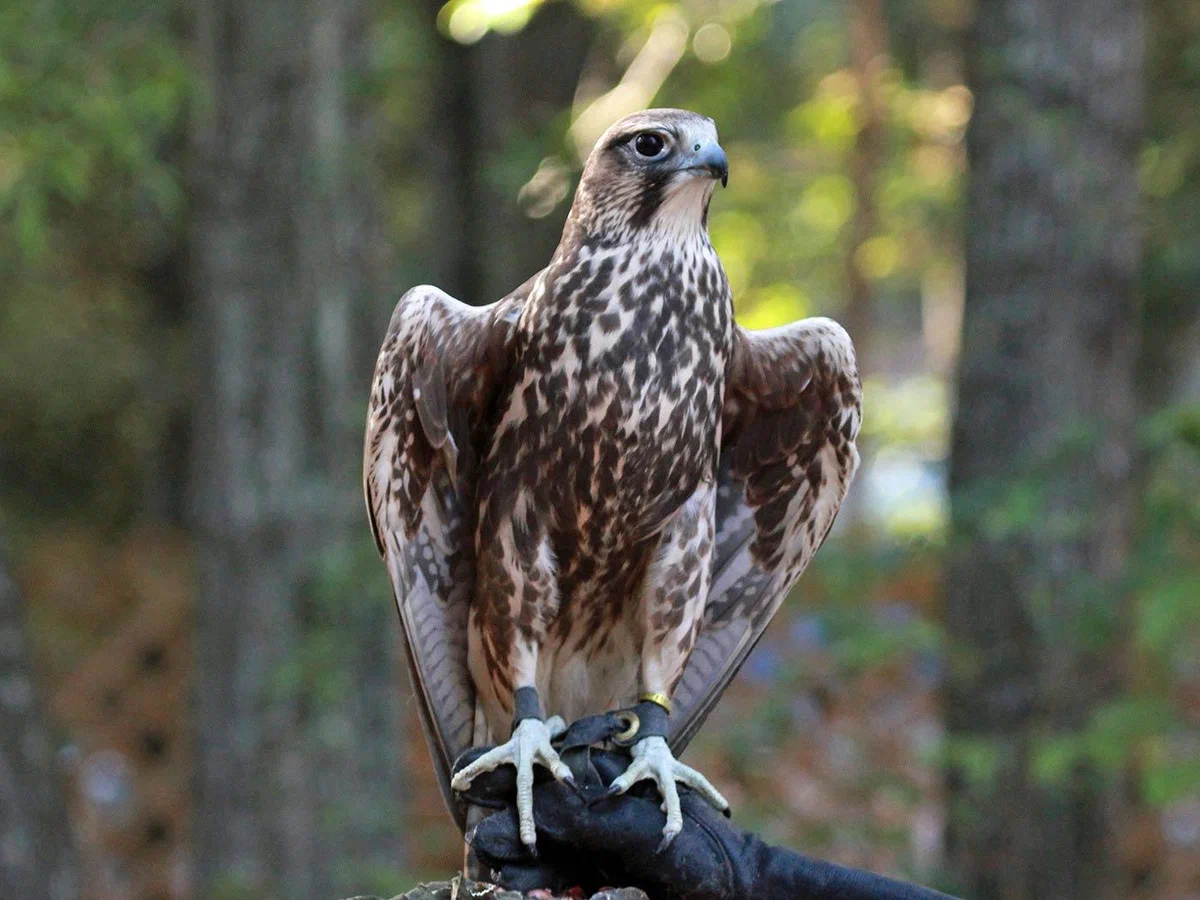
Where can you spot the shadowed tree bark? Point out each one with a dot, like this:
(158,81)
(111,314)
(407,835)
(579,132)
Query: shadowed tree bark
(282,254)
(1043,451)
(495,92)
(868,44)
(1170,370)
(37,859)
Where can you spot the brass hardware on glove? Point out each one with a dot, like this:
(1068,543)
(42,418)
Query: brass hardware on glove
(632,725)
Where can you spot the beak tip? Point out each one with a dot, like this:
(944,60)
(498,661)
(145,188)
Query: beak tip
(712,161)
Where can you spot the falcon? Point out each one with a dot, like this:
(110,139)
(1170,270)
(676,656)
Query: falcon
(594,494)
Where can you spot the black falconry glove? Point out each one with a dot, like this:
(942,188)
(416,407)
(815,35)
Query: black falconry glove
(590,839)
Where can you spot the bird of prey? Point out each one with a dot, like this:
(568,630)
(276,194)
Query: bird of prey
(595,493)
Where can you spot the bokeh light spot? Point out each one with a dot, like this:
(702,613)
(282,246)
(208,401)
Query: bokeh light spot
(712,43)
(741,242)
(467,21)
(878,257)
(775,304)
(827,203)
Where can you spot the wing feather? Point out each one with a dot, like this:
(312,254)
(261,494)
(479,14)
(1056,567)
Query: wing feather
(435,380)
(792,412)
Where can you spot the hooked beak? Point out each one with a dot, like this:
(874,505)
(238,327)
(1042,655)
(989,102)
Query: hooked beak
(711,160)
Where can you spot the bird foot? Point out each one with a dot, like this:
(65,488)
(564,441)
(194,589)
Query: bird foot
(652,759)
(529,743)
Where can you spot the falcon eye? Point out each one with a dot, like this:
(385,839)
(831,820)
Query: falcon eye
(649,144)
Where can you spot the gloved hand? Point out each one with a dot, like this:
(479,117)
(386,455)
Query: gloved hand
(591,840)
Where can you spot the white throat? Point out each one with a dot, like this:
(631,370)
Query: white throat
(681,215)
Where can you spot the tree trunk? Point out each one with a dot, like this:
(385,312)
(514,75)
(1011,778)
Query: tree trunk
(280,257)
(37,859)
(503,88)
(867,37)
(1042,454)
(1170,369)
(868,43)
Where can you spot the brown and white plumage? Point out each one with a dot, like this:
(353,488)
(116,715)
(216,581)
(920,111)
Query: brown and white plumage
(601,485)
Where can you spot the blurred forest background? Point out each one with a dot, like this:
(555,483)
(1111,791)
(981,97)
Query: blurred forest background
(990,678)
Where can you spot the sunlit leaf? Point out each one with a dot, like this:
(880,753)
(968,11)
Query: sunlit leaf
(775,304)
(1168,782)
(467,21)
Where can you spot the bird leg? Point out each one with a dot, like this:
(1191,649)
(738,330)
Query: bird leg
(673,606)
(652,759)
(530,743)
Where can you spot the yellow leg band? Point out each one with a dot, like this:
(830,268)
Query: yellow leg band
(661,699)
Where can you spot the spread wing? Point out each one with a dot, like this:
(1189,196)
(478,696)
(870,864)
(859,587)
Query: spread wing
(793,404)
(434,383)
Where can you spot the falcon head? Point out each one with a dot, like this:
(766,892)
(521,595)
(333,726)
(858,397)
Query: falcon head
(653,170)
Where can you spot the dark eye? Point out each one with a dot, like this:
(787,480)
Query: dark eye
(648,143)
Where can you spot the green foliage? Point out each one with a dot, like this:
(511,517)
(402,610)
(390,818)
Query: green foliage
(1169,782)
(1110,742)
(1151,618)
(1166,623)
(231,886)
(91,94)
(345,599)
(862,645)
(978,761)
(89,90)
